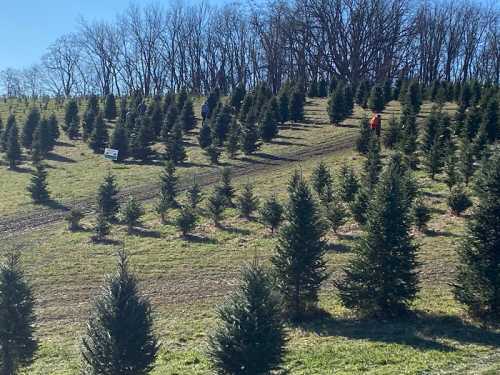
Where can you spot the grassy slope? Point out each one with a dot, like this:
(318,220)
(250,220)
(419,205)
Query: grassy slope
(186,281)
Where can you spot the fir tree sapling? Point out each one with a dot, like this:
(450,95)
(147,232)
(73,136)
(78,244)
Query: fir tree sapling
(168,191)
(247,202)
(186,220)
(271,213)
(38,185)
(107,198)
(458,200)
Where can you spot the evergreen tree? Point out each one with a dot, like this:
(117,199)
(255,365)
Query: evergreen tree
(465,159)
(168,191)
(12,148)
(434,159)
(336,106)
(458,200)
(174,146)
(157,118)
(187,117)
(101,228)
(119,141)
(348,100)
(93,103)
(71,114)
(420,214)
(296,105)
(73,130)
(477,283)
(322,181)
(11,122)
(381,279)
(53,129)
(123,110)
(186,221)
(365,134)
(491,121)
(299,262)
(271,213)
(107,200)
(212,101)
(233,137)
(451,173)
(73,218)
(283,104)
(99,137)
(268,126)
(132,212)
(362,94)
(249,136)
(372,165)
(387,91)
(246,107)
(205,136)
(30,125)
(359,206)
(170,119)
(413,99)
(480,144)
(348,184)
(141,141)
(431,130)
(88,123)
(182,98)
(472,122)
(336,214)
(250,336)
(376,101)
(220,126)
(213,153)
(237,97)
(110,107)
(409,137)
(1,133)
(322,88)
(119,337)
(41,141)
(247,202)
(215,206)
(38,185)
(17,317)
(313,89)
(393,134)
(226,188)
(194,195)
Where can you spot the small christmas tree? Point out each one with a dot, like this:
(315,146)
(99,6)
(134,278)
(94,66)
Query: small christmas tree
(372,165)
(41,141)
(268,126)
(194,195)
(359,205)
(17,317)
(465,159)
(237,97)
(365,134)
(250,336)
(376,101)
(53,129)
(119,337)
(336,106)
(12,148)
(99,137)
(348,184)
(101,228)
(247,202)
(283,105)
(186,221)
(336,214)
(168,191)
(119,141)
(420,214)
(73,218)
(233,137)
(174,145)
(322,181)
(213,153)
(38,185)
(490,120)
(132,212)
(215,206)
(73,130)
(110,107)
(30,125)
(458,200)
(107,200)
(71,114)
(393,134)
(140,142)
(296,105)
(88,123)
(271,213)
(187,117)
(451,173)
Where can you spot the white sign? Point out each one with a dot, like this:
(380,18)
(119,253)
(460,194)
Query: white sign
(111,154)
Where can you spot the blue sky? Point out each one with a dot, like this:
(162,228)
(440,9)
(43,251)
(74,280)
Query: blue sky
(29,26)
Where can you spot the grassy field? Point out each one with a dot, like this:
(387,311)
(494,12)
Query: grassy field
(186,280)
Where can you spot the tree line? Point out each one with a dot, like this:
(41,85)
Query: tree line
(155,49)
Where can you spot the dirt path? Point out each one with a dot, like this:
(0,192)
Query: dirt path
(22,222)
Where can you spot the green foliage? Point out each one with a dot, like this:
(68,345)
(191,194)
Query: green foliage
(271,213)
(348,184)
(413,99)
(194,195)
(41,141)
(140,141)
(186,221)
(381,280)
(71,114)
(30,125)
(393,134)
(249,136)
(73,130)
(174,145)
(220,127)
(17,317)
(322,181)
(376,101)
(477,282)
(247,202)
(233,137)
(237,97)
(465,159)
(409,137)
(362,94)
(131,213)
(420,214)
(491,121)
(110,107)
(336,106)
(119,336)
(213,153)
(451,173)
(359,206)
(299,263)
(268,126)
(226,189)
(101,228)
(99,138)
(472,122)
(11,121)
(119,141)
(250,337)
(458,200)
(107,200)
(215,206)
(53,129)
(38,185)
(73,218)
(89,118)
(322,88)
(296,105)
(155,112)
(336,214)
(187,117)
(365,134)
(283,104)
(168,191)
(12,148)
(205,136)
(373,165)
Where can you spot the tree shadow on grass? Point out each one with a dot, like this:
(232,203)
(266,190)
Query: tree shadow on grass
(56,157)
(440,233)
(420,330)
(264,155)
(338,247)
(53,204)
(146,233)
(234,230)
(287,143)
(195,238)
(64,144)
(253,161)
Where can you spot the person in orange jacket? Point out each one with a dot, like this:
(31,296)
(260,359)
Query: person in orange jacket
(376,123)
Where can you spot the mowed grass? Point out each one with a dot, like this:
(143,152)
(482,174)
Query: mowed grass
(187,280)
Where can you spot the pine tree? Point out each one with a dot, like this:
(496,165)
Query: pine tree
(434,159)
(491,121)
(220,125)
(362,94)
(451,173)
(480,143)
(376,101)
(168,191)
(322,181)
(119,337)
(107,200)
(17,317)
(283,105)
(393,134)
(247,202)
(409,137)
(155,112)
(123,110)
(174,146)
(336,106)
(187,117)
(110,107)
(11,122)
(472,122)
(247,105)
(431,130)
(348,100)
(322,88)
(194,195)
(12,148)
(215,207)
(237,97)
(233,137)
(186,220)
(348,184)
(465,159)
(271,213)
(170,119)
(140,142)
(458,200)
(213,153)
(99,137)
(88,123)
(365,134)
(299,262)
(336,214)
(372,165)
(268,126)
(119,141)
(477,284)
(73,130)
(53,129)
(250,337)
(249,136)
(296,105)
(359,206)
(93,103)
(101,228)
(413,100)
(381,279)
(420,214)
(73,218)
(38,185)
(313,89)
(30,125)
(132,212)
(205,136)
(71,114)
(41,141)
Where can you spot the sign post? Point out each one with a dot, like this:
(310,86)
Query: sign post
(111,154)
